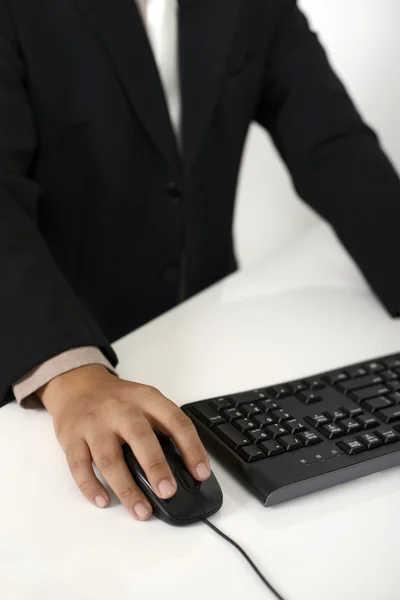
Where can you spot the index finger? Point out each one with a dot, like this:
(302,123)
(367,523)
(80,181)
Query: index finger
(168,417)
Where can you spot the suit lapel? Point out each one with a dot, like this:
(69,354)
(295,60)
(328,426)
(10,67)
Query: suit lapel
(206,30)
(119,26)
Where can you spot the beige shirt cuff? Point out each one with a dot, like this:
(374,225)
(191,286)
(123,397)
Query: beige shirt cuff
(24,388)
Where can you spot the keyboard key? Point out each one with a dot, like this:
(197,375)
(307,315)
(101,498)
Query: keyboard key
(336,377)
(370,392)
(290,442)
(317,420)
(309,398)
(231,436)
(388,415)
(246,397)
(374,367)
(207,414)
(309,438)
(231,414)
(331,430)
(280,391)
(222,403)
(389,375)
(275,431)
(377,403)
(267,405)
(351,446)
(357,371)
(395,398)
(251,453)
(335,415)
(387,434)
(257,435)
(367,421)
(361,382)
(294,426)
(351,425)
(244,424)
(315,384)
(251,409)
(299,386)
(263,420)
(271,448)
(352,411)
(394,385)
(370,440)
(391,363)
(280,415)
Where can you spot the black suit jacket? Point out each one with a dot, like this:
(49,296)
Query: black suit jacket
(103,225)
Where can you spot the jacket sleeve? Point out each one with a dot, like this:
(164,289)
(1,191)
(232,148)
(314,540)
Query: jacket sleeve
(335,160)
(40,315)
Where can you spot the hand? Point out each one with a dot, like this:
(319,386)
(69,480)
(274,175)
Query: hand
(94,412)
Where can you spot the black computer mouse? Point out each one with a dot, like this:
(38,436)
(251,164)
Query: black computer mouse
(192,501)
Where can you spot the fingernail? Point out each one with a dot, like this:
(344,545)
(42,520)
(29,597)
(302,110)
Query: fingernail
(166,488)
(141,510)
(202,471)
(101,501)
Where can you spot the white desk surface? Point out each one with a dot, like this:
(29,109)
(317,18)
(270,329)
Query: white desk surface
(304,310)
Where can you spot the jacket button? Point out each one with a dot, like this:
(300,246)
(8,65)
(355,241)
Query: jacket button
(171,275)
(174,192)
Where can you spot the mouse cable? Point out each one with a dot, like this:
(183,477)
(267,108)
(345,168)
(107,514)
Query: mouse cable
(246,556)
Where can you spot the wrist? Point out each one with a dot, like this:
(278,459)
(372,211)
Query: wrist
(67,386)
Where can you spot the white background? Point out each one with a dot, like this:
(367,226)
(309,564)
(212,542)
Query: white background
(363,42)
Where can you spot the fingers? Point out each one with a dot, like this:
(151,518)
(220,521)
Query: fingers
(80,463)
(128,415)
(107,455)
(138,433)
(171,419)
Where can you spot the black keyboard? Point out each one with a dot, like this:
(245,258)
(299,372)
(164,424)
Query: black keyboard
(294,438)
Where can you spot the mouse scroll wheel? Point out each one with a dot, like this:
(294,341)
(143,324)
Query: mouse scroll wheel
(188,482)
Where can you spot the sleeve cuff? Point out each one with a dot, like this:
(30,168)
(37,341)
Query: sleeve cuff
(24,388)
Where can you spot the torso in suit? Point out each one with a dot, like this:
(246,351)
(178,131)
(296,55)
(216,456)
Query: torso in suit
(104,222)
